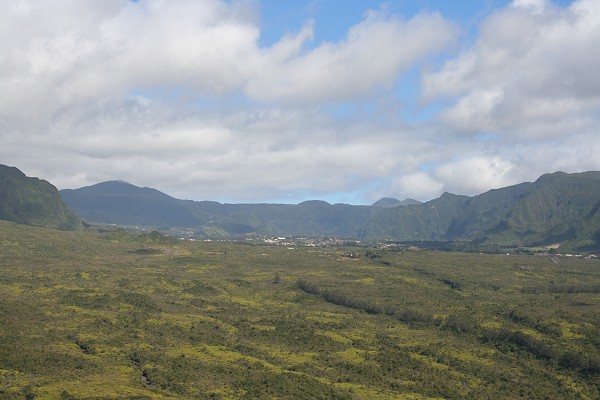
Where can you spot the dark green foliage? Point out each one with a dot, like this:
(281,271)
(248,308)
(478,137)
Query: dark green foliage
(557,207)
(521,340)
(86,316)
(33,201)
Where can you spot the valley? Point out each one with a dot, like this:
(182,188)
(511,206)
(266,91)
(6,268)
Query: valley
(113,315)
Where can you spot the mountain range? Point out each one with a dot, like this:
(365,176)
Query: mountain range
(556,208)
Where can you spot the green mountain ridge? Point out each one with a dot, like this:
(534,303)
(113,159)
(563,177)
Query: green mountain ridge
(557,208)
(32,201)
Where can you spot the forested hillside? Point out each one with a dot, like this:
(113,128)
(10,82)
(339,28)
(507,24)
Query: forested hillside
(33,201)
(556,208)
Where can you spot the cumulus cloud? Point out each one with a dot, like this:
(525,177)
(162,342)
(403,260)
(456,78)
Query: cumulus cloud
(532,62)
(181,96)
(475,175)
(62,53)
(139,91)
(372,55)
(419,185)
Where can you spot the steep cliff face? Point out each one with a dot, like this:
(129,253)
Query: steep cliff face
(557,207)
(32,201)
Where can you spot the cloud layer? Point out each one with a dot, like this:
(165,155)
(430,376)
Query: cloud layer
(181,96)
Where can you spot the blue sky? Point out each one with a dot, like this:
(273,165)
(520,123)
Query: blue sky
(286,101)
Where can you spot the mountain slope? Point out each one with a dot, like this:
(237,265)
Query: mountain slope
(33,201)
(557,207)
(427,221)
(123,203)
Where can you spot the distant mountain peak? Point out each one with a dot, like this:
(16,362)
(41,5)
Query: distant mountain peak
(314,203)
(557,207)
(387,202)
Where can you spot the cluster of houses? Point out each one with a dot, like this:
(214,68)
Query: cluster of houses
(310,242)
(592,256)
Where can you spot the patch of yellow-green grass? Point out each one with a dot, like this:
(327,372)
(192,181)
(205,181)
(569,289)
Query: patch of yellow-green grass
(327,317)
(352,355)
(368,332)
(114,383)
(407,279)
(187,320)
(71,348)
(533,333)
(288,357)
(568,329)
(227,394)
(429,361)
(240,300)
(336,337)
(11,290)
(515,288)
(201,269)
(64,286)
(362,392)
(83,317)
(84,275)
(365,331)
(316,273)
(259,276)
(66,348)
(407,337)
(491,324)
(13,379)
(573,386)
(365,281)
(481,356)
(164,284)
(218,355)
(279,304)
(373,268)
(43,290)
(264,328)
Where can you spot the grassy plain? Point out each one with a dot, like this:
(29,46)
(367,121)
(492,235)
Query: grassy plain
(118,316)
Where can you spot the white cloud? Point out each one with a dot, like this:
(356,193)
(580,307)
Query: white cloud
(532,62)
(181,96)
(109,90)
(372,55)
(419,185)
(474,112)
(60,54)
(475,175)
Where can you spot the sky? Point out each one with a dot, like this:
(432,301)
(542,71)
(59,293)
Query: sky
(347,101)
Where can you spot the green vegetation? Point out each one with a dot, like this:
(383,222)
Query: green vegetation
(557,208)
(34,202)
(117,316)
